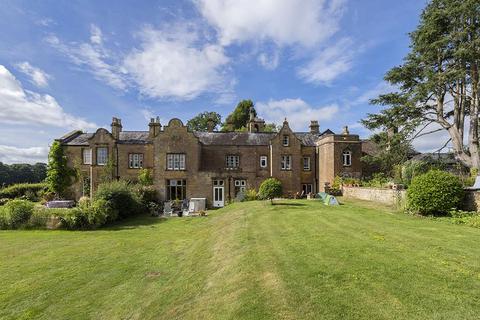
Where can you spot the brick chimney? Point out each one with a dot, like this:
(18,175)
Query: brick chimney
(154,127)
(116,127)
(314,127)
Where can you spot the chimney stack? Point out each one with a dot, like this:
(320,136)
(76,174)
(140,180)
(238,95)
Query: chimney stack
(154,127)
(314,127)
(116,127)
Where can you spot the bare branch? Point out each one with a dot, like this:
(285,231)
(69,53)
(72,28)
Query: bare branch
(443,147)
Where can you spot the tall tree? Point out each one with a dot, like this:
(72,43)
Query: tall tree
(438,83)
(238,119)
(200,121)
(59,175)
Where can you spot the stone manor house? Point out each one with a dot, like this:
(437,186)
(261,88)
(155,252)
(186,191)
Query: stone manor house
(214,165)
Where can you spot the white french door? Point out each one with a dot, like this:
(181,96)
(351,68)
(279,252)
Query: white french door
(218,193)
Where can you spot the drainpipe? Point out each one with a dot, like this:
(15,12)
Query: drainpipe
(116,162)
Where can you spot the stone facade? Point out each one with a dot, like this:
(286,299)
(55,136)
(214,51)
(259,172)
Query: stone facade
(205,161)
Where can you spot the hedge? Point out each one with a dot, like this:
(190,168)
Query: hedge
(30,191)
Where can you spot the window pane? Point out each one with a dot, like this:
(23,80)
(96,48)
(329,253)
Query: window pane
(101,156)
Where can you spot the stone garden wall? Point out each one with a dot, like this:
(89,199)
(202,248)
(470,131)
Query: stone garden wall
(390,197)
(397,198)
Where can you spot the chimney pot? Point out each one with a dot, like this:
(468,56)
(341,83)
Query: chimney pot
(314,127)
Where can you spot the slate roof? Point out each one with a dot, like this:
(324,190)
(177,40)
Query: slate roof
(134,137)
(77,140)
(234,138)
(126,137)
(310,139)
(208,138)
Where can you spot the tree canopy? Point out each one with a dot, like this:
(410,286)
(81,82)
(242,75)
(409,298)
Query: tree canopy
(238,119)
(438,84)
(22,173)
(200,121)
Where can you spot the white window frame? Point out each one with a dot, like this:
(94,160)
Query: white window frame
(286,162)
(232,161)
(102,159)
(286,141)
(176,161)
(263,161)
(306,165)
(347,158)
(135,160)
(87,155)
(240,186)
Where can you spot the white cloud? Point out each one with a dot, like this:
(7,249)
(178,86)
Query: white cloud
(37,76)
(19,106)
(93,55)
(381,88)
(329,63)
(9,154)
(269,62)
(95,34)
(285,22)
(298,112)
(172,64)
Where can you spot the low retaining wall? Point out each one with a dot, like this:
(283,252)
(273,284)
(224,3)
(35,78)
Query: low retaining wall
(398,198)
(390,197)
(472,200)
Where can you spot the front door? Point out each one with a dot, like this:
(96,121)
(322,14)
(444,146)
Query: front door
(218,193)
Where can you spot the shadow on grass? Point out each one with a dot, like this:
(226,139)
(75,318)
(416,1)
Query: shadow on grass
(134,222)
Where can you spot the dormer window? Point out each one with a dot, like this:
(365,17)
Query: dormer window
(347,158)
(286,140)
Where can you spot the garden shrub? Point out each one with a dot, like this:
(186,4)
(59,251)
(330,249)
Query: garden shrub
(16,213)
(413,168)
(378,180)
(100,212)
(251,195)
(121,197)
(269,189)
(434,193)
(146,194)
(26,190)
(72,219)
(84,203)
(39,217)
(469,218)
(145,177)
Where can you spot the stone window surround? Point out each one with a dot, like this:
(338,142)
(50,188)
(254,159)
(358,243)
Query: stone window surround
(89,156)
(309,161)
(347,158)
(98,148)
(263,158)
(285,140)
(173,160)
(286,162)
(232,165)
(131,160)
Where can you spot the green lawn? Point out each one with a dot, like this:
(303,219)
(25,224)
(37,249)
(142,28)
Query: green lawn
(294,260)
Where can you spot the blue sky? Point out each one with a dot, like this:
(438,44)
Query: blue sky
(68,65)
